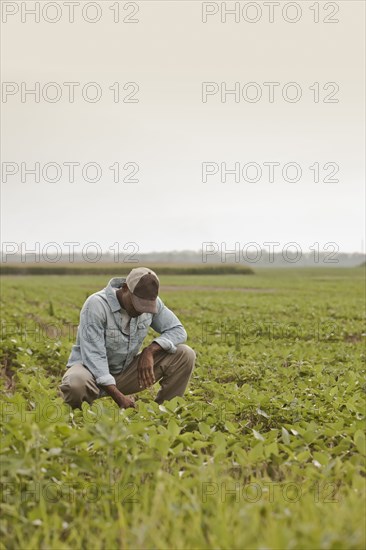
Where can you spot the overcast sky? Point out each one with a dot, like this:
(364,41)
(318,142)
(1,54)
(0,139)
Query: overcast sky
(170,131)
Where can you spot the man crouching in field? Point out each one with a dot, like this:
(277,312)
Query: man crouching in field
(105,359)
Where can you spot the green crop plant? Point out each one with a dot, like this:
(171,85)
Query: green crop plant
(265,450)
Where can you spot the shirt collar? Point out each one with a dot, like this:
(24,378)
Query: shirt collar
(113,302)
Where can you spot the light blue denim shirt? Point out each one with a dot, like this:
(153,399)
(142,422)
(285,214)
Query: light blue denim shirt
(102,346)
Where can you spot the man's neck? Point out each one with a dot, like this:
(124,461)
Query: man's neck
(120,298)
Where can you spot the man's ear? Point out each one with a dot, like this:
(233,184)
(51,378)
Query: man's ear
(124,286)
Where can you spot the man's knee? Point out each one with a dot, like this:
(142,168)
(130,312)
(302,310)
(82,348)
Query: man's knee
(77,387)
(72,394)
(188,355)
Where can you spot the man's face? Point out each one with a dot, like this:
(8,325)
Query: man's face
(127,303)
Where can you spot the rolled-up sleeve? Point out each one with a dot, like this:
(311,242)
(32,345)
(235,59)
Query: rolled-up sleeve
(171,330)
(92,342)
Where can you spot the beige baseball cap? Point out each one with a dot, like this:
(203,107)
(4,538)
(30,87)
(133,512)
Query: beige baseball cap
(143,284)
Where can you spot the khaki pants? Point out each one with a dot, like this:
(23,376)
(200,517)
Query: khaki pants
(172,371)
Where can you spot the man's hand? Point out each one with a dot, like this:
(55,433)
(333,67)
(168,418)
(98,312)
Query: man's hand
(123,401)
(145,366)
(127,402)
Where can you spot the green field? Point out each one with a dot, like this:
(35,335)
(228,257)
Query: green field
(266,450)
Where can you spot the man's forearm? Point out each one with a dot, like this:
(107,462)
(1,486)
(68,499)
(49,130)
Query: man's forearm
(153,348)
(116,395)
(114,392)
